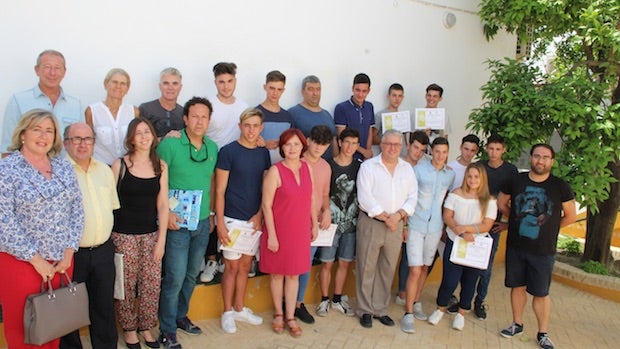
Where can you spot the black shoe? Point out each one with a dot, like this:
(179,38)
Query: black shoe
(452,301)
(135,345)
(453,309)
(386,320)
(302,314)
(480,310)
(153,344)
(366,321)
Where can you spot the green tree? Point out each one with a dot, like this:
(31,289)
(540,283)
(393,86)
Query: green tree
(579,98)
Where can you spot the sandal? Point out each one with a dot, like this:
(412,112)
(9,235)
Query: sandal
(278,326)
(295,331)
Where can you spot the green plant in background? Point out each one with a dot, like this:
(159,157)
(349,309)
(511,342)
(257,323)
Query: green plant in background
(594,267)
(578,98)
(569,245)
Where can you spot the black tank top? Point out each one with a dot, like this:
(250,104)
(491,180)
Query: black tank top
(138,198)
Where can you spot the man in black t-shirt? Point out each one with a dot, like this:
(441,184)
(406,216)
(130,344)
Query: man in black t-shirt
(537,204)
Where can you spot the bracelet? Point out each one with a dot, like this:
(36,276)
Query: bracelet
(477,229)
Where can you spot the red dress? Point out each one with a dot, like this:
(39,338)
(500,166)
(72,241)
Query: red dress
(291,214)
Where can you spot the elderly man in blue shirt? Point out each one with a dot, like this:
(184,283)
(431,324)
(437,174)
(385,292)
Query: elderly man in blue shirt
(47,95)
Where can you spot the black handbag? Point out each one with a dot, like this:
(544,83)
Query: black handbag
(53,313)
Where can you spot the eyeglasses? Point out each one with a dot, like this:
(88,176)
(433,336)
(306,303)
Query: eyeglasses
(191,153)
(79,140)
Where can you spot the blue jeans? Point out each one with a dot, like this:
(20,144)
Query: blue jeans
(181,265)
(485,275)
(452,274)
(304,278)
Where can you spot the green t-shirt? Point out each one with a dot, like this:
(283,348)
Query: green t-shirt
(189,168)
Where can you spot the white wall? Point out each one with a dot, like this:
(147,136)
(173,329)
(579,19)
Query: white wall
(390,40)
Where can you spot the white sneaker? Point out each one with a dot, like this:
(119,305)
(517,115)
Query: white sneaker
(399,301)
(459,322)
(322,308)
(209,271)
(253,268)
(418,312)
(435,317)
(221,266)
(247,315)
(228,322)
(343,307)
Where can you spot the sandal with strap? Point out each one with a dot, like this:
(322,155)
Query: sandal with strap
(295,331)
(278,327)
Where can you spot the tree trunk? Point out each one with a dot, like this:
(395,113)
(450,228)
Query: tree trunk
(600,227)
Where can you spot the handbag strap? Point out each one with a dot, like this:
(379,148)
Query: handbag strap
(121,174)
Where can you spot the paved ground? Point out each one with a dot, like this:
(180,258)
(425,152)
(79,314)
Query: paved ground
(578,320)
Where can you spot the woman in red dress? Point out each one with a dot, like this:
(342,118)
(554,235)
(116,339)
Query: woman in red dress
(290,225)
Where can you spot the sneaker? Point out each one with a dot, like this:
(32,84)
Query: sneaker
(253,267)
(322,308)
(545,342)
(512,330)
(221,266)
(399,301)
(435,317)
(247,315)
(302,314)
(453,300)
(406,324)
(459,322)
(481,311)
(209,271)
(187,326)
(228,322)
(453,309)
(169,341)
(343,307)
(418,312)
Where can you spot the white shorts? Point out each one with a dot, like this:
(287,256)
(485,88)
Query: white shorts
(231,255)
(421,248)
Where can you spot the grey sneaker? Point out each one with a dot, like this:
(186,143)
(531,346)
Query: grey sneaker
(418,312)
(545,342)
(343,307)
(512,330)
(406,324)
(399,301)
(169,341)
(322,308)
(187,326)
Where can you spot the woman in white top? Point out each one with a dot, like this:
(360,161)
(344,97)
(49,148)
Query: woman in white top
(468,211)
(111,117)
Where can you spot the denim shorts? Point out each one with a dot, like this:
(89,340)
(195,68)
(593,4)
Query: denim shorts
(529,270)
(344,245)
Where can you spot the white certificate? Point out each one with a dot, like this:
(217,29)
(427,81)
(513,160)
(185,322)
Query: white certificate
(433,118)
(325,237)
(472,254)
(400,121)
(242,240)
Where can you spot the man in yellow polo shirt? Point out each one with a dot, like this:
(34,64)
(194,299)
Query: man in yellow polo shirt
(94,261)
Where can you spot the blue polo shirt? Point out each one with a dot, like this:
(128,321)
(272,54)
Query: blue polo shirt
(361,118)
(433,185)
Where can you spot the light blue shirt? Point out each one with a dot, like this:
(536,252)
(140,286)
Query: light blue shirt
(67,111)
(433,184)
(39,215)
